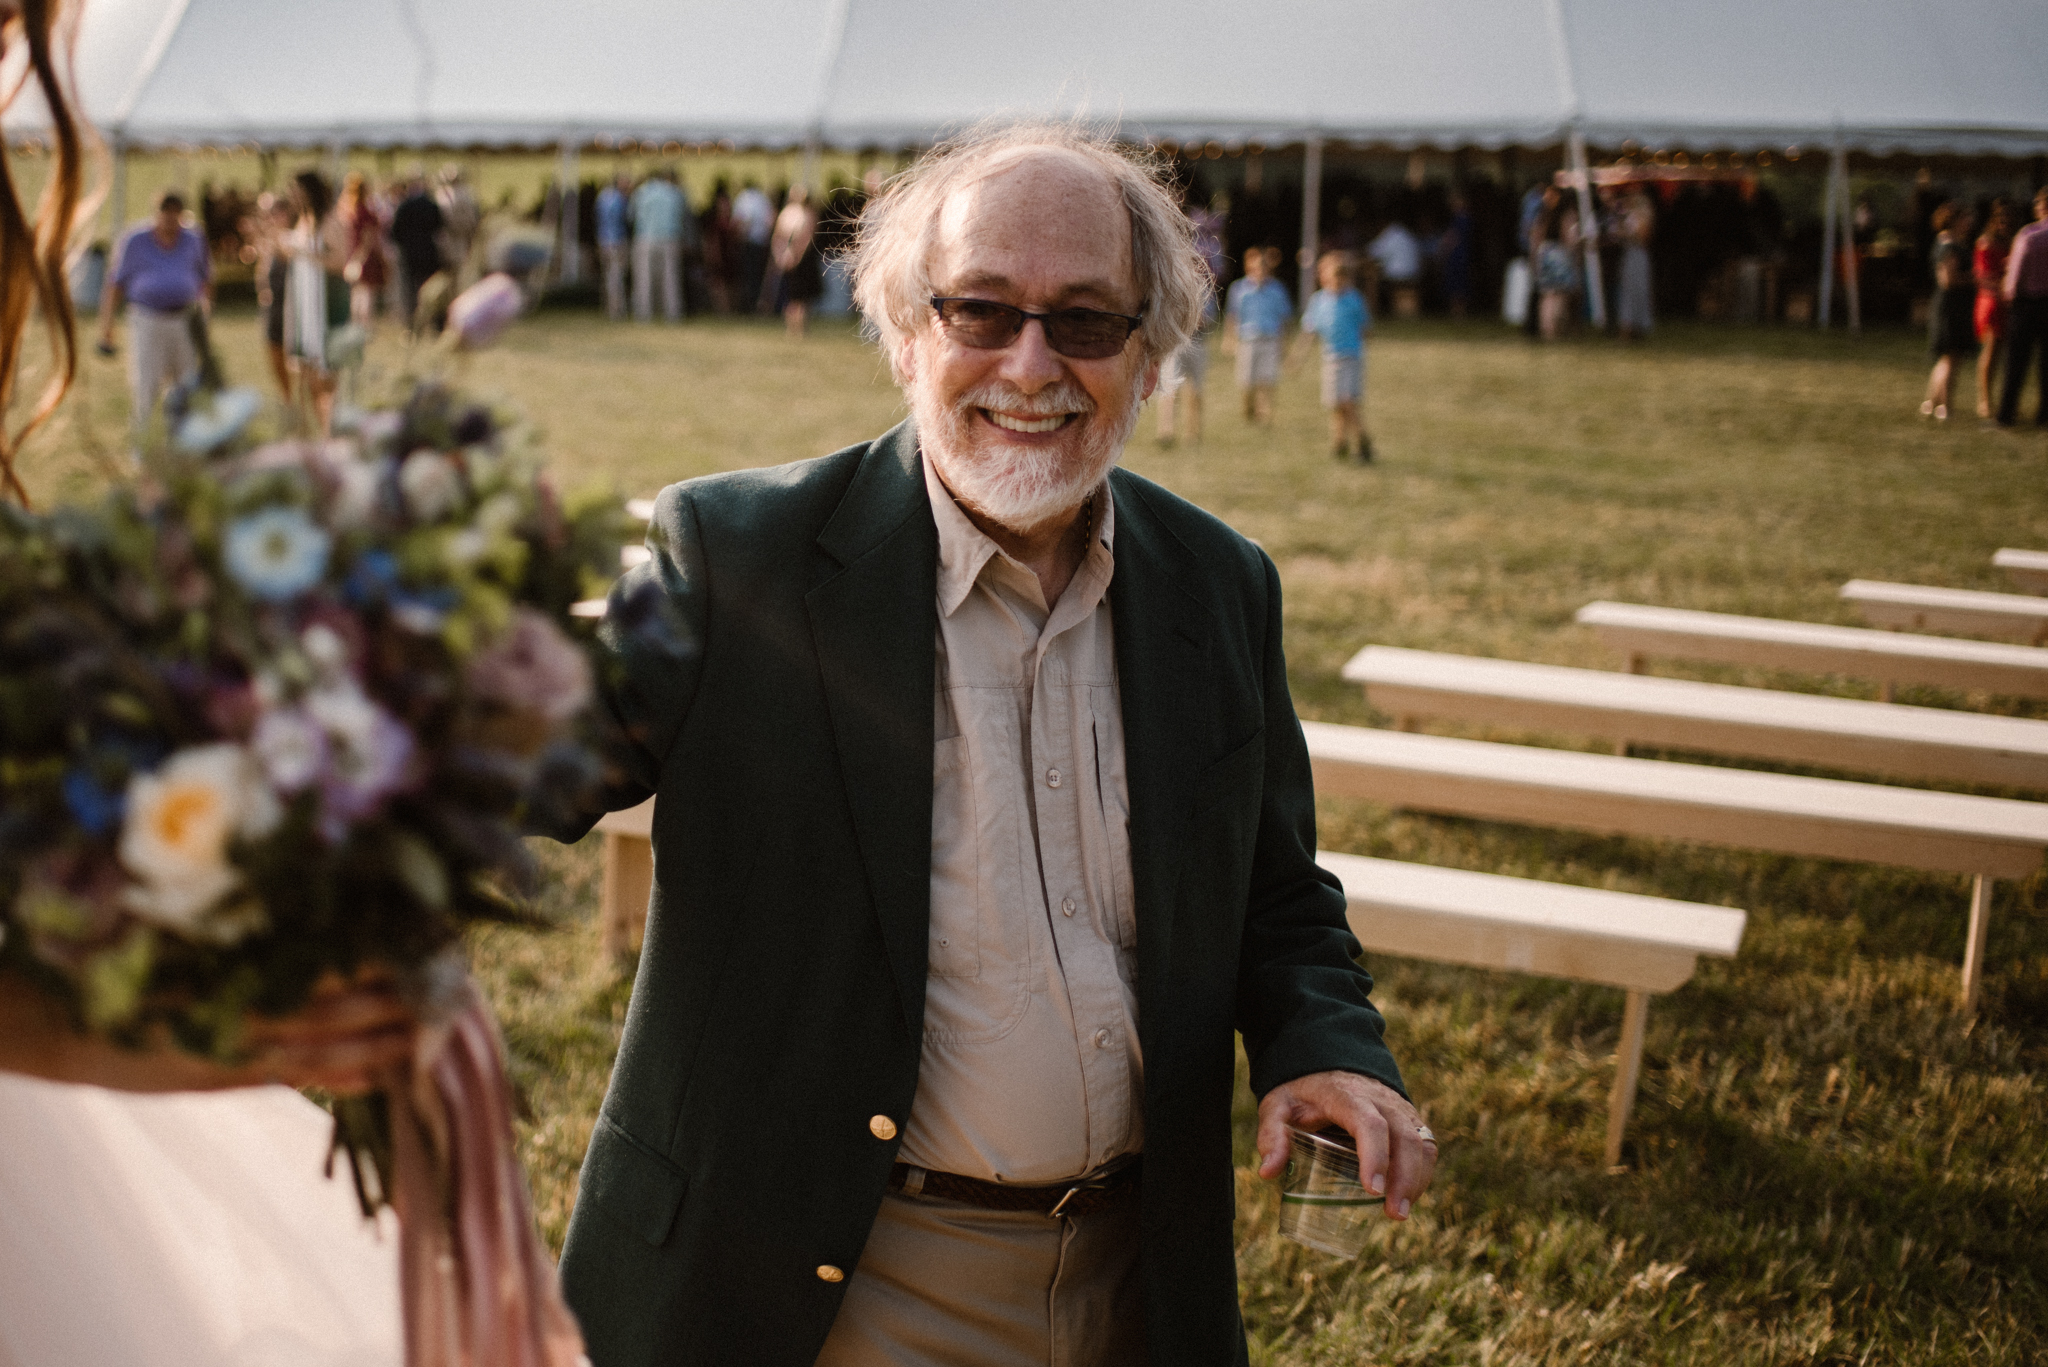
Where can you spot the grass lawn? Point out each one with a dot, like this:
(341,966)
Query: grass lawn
(1828,1163)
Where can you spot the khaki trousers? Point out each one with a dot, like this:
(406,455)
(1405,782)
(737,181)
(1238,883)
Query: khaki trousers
(160,355)
(941,1284)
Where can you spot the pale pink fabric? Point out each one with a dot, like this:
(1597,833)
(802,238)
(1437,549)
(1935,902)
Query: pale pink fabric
(181,1229)
(479,1290)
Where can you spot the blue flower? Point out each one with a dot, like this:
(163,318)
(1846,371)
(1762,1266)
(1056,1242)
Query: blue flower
(374,578)
(276,553)
(92,806)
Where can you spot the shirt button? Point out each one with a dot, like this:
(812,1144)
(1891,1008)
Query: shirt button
(1102,1039)
(1067,907)
(881,1127)
(829,1273)
(1052,778)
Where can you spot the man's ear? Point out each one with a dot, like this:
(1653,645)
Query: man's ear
(906,357)
(1151,380)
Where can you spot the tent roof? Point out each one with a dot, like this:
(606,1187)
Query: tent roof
(1963,76)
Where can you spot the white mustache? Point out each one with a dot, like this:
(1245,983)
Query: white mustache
(1064,397)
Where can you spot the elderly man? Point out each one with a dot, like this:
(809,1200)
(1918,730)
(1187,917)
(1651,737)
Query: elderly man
(983,820)
(163,270)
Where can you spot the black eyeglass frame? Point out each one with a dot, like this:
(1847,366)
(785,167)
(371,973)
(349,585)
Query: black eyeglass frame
(1131,321)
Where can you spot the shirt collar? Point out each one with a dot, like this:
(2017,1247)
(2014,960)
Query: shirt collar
(965,550)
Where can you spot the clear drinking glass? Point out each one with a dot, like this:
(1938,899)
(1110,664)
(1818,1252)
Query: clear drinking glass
(1322,1204)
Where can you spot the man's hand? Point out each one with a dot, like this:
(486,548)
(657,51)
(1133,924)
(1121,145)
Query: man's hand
(1394,1160)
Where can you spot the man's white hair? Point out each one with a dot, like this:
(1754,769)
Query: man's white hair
(891,252)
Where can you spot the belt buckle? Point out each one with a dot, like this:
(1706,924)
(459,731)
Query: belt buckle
(1100,1182)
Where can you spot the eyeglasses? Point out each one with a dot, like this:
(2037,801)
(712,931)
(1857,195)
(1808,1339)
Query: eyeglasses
(1078,334)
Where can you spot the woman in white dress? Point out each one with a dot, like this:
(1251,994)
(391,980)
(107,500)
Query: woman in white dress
(160,1211)
(316,297)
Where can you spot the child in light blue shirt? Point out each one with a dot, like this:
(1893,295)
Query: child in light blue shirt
(1338,317)
(1256,313)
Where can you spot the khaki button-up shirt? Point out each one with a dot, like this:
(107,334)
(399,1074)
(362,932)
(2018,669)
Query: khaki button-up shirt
(1031,1070)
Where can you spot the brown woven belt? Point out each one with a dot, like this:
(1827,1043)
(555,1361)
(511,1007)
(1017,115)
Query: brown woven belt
(1081,1196)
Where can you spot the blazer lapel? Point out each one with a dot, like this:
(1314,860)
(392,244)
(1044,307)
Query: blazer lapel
(873,621)
(1162,649)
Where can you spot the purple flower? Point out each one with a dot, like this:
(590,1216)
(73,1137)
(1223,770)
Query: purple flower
(291,747)
(484,310)
(369,755)
(533,667)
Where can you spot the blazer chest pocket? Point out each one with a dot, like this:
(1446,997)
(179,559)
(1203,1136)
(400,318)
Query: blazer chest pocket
(632,1184)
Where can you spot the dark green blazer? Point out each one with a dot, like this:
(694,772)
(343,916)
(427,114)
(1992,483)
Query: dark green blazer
(777,683)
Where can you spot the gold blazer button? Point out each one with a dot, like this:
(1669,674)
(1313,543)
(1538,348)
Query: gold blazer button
(829,1273)
(881,1127)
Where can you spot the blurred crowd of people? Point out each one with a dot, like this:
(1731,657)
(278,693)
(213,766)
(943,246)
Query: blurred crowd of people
(1990,306)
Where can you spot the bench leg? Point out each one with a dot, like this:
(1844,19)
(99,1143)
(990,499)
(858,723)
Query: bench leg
(1628,1070)
(1973,950)
(1635,663)
(628,879)
(1887,691)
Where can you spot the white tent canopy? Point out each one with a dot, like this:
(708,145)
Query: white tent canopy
(1963,76)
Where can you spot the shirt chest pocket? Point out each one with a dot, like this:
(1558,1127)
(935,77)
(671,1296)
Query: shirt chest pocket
(955,950)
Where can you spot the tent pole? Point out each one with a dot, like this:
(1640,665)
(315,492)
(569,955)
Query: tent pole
(1589,228)
(811,165)
(1311,213)
(1827,254)
(1849,275)
(572,246)
(117,191)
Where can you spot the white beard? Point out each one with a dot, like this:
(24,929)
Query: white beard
(1020,488)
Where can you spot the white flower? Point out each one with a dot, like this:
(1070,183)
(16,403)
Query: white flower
(431,483)
(467,546)
(180,820)
(345,712)
(324,647)
(291,747)
(500,513)
(216,423)
(361,488)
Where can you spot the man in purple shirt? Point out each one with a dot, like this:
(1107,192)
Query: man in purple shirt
(162,269)
(2026,286)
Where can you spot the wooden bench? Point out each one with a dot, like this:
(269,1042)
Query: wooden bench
(1890,657)
(1985,837)
(628,878)
(1760,723)
(1642,945)
(2028,570)
(1971,612)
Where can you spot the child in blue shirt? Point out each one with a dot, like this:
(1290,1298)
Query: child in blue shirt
(1256,313)
(1337,315)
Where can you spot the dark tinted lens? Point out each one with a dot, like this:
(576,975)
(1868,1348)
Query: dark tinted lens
(979,323)
(1086,334)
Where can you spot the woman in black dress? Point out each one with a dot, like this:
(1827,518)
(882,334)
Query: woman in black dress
(795,249)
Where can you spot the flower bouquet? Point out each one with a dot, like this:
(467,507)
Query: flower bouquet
(280,721)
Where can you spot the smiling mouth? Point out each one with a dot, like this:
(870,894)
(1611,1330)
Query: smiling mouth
(1046,424)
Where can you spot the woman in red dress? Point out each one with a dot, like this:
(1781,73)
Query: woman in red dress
(1988,265)
(357,211)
